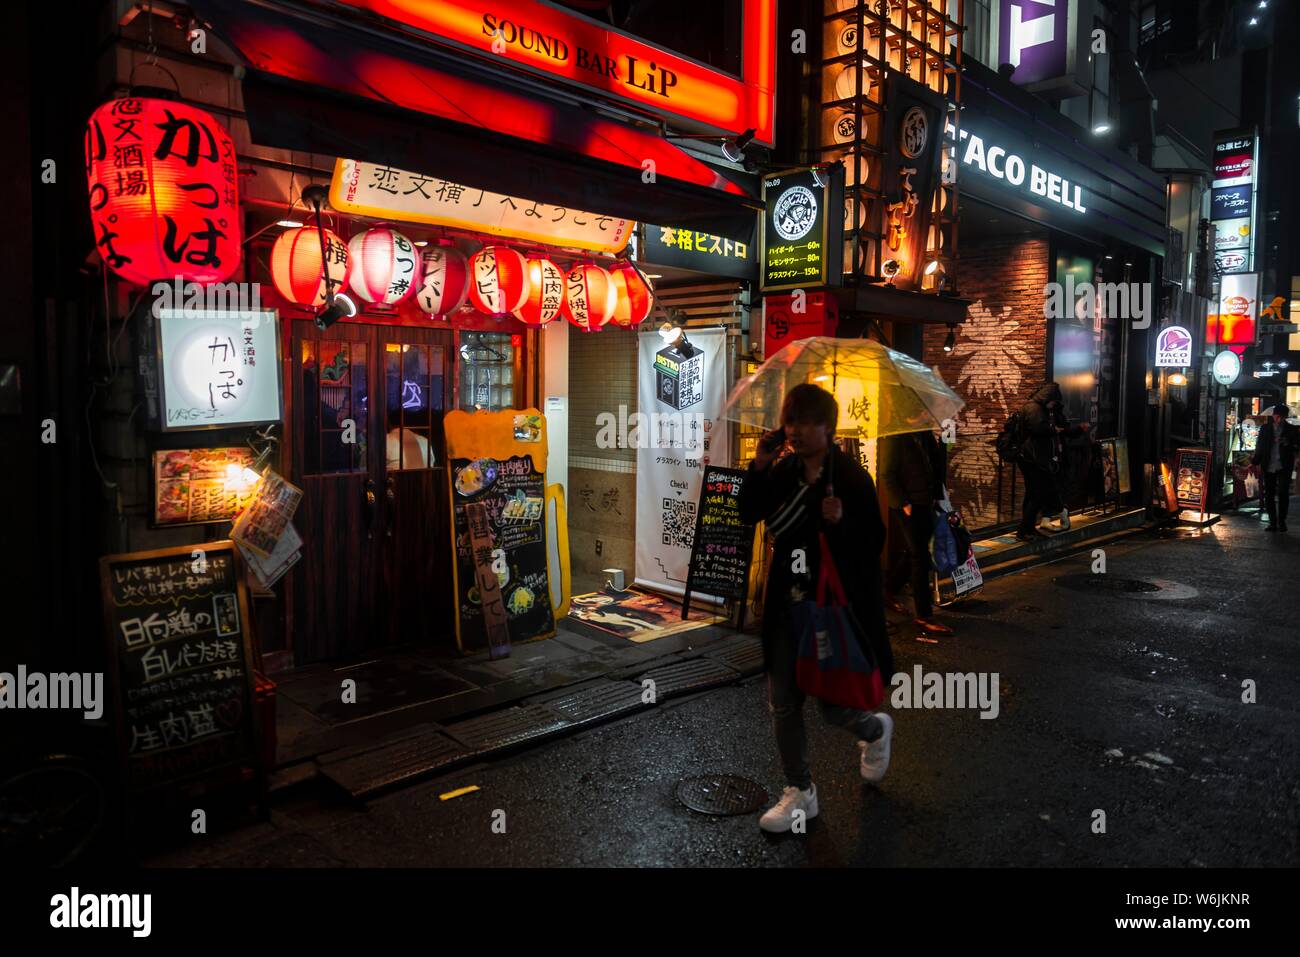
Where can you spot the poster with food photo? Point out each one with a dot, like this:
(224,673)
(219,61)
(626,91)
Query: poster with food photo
(193,486)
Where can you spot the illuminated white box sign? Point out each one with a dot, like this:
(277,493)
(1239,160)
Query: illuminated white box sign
(1173,348)
(219,368)
(1000,163)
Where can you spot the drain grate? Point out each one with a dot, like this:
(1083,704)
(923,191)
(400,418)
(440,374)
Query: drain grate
(687,676)
(745,655)
(1105,583)
(365,775)
(501,729)
(721,794)
(595,702)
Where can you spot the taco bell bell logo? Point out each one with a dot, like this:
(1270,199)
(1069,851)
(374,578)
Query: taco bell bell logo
(1173,347)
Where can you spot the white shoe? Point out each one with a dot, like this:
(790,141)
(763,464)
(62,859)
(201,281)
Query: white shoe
(874,759)
(781,816)
(1065,520)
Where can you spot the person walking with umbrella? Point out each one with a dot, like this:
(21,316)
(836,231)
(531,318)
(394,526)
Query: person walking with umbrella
(816,488)
(1275,455)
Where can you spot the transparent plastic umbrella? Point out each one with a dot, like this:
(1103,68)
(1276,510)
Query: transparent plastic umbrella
(880,391)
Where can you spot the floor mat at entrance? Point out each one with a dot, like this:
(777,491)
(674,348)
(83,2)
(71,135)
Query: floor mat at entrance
(637,615)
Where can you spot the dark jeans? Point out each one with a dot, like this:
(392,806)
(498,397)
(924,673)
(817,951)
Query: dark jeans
(785,701)
(1277,495)
(1041,496)
(909,555)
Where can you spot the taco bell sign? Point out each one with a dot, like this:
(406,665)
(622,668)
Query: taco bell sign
(1173,348)
(1034,37)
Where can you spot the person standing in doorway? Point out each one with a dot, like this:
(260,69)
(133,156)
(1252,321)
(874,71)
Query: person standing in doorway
(1275,455)
(913,468)
(815,487)
(1040,460)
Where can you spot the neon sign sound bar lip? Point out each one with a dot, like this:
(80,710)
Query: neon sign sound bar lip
(571,48)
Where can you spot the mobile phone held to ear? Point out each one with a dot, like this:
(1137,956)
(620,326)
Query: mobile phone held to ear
(772,440)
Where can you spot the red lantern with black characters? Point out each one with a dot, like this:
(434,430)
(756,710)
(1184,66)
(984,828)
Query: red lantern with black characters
(636,296)
(589,296)
(384,265)
(444,283)
(296,267)
(545,293)
(164,191)
(498,280)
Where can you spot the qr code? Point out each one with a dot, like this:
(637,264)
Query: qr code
(679,522)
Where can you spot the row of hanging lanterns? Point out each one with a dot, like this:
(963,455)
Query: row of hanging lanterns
(383,266)
(164,202)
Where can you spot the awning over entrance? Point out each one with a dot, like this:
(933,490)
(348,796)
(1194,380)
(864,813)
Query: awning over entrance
(325,85)
(885,302)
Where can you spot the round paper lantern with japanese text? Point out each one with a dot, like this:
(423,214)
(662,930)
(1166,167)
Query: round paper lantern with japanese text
(589,296)
(164,191)
(498,280)
(444,283)
(635,295)
(296,267)
(385,265)
(545,293)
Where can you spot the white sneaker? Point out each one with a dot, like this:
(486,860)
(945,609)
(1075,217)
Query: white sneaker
(1065,520)
(874,759)
(781,816)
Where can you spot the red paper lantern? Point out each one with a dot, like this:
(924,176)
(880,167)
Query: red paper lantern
(164,191)
(545,293)
(444,283)
(636,297)
(589,296)
(498,280)
(296,268)
(384,265)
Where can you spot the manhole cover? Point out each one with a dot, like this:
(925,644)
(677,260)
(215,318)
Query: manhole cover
(723,794)
(1105,583)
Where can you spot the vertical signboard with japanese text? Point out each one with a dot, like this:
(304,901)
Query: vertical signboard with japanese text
(681,387)
(1232,200)
(912,137)
(803,220)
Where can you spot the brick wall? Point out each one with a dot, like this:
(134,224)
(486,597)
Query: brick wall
(999,360)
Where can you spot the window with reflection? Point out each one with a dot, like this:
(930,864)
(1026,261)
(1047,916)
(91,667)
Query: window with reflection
(414,378)
(335,402)
(487,371)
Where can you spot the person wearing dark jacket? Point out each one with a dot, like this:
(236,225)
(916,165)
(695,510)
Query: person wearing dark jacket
(913,467)
(814,488)
(1275,455)
(1043,423)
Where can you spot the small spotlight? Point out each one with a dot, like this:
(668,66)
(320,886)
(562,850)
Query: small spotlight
(288,223)
(421,242)
(890,267)
(734,149)
(1177,378)
(933,267)
(341,308)
(951,342)
(1254,20)
(1101,128)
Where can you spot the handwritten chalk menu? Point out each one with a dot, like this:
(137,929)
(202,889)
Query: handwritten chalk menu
(1192,478)
(721,548)
(512,493)
(182,665)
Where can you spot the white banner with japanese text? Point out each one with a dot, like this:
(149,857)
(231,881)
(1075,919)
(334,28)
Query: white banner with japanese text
(681,388)
(387,193)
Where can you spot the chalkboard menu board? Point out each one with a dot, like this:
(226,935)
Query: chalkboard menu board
(182,665)
(1192,478)
(722,545)
(513,495)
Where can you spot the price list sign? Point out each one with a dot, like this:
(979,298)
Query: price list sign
(800,236)
(721,548)
(1192,478)
(182,666)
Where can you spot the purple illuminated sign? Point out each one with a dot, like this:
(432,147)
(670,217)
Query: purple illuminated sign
(1033,36)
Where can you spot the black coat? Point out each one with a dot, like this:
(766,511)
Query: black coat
(1264,446)
(912,469)
(1042,446)
(855,542)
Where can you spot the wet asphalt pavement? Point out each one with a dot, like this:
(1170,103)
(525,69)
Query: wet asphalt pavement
(1127,702)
